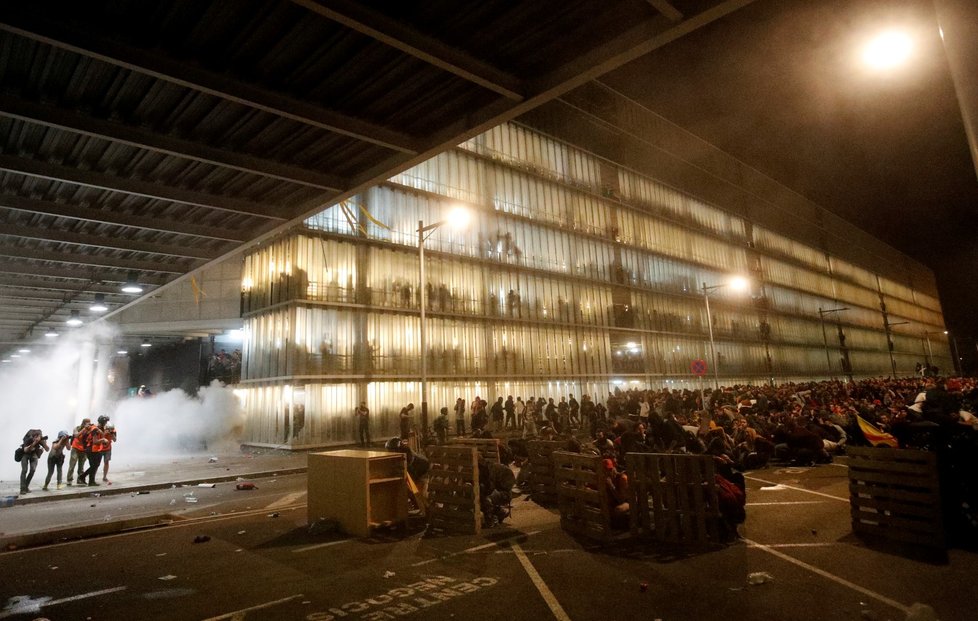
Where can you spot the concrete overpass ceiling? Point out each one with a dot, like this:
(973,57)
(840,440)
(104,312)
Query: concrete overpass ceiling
(150,138)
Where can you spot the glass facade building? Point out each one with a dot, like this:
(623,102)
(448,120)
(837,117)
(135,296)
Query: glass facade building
(576,274)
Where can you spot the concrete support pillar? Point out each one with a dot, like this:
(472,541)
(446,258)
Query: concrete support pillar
(958,20)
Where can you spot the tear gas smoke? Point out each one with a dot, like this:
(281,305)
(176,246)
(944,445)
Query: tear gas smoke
(52,389)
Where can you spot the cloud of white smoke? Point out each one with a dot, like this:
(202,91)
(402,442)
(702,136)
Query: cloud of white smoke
(47,389)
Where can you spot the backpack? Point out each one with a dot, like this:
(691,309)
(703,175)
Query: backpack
(19,454)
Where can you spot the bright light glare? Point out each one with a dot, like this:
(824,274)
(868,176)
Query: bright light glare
(888,50)
(458,217)
(739,283)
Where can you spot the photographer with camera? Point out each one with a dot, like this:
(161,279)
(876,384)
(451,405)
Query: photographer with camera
(31,449)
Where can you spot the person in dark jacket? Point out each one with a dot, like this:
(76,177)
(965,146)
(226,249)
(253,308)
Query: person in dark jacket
(33,446)
(496,482)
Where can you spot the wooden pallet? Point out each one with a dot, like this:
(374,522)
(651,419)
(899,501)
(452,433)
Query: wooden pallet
(543,484)
(894,494)
(453,490)
(582,495)
(488,447)
(674,498)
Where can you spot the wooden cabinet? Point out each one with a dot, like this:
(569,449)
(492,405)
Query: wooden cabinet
(358,489)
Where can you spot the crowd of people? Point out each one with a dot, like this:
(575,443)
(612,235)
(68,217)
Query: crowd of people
(742,427)
(224,366)
(89,446)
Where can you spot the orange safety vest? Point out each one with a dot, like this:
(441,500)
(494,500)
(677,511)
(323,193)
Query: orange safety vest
(77,443)
(99,443)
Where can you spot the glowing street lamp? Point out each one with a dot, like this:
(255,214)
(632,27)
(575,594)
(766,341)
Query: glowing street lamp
(458,218)
(737,283)
(888,50)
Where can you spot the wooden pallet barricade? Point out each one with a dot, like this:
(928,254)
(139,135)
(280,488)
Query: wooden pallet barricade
(453,490)
(582,495)
(894,494)
(543,484)
(488,447)
(674,498)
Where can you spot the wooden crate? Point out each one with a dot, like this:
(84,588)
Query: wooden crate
(488,447)
(359,489)
(894,494)
(582,495)
(674,498)
(453,490)
(543,484)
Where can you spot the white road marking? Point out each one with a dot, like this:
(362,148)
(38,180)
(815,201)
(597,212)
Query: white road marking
(239,614)
(541,586)
(286,500)
(36,607)
(821,572)
(475,549)
(799,489)
(321,545)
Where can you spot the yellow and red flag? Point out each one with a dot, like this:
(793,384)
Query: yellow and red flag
(874,435)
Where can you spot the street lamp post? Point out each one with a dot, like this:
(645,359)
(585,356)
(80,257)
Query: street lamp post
(957,359)
(457,218)
(930,352)
(889,342)
(736,283)
(825,339)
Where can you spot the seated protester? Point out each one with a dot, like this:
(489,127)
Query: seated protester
(616,483)
(671,436)
(940,406)
(417,465)
(496,482)
(804,447)
(732,501)
(633,440)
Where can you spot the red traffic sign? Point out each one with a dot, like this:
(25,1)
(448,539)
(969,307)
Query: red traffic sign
(698,367)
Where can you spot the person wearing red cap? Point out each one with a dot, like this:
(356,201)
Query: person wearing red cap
(616,483)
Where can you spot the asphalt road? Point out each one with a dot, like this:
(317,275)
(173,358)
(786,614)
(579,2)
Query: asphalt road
(254,566)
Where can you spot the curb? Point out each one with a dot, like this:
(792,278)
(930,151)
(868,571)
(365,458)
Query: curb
(108,490)
(99,529)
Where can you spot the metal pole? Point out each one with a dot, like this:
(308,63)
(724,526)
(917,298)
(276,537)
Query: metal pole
(930,354)
(713,348)
(424,342)
(825,342)
(957,361)
(889,345)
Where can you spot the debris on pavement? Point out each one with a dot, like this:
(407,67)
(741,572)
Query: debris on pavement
(324,526)
(273,515)
(167,577)
(389,574)
(759,577)
(643,586)
(202,538)
(773,488)
(241,532)
(246,485)
(207,485)
(212,460)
